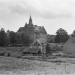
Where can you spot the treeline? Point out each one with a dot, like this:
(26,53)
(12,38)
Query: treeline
(11,38)
(61,36)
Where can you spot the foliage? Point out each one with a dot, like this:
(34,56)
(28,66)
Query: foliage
(73,34)
(12,37)
(19,38)
(3,38)
(26,39)
(23,38)
(61,36)
(47,49)
(50,38)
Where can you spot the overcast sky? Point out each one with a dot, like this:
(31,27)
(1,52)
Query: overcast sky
(52,14)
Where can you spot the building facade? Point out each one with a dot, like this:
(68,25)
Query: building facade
(36,33)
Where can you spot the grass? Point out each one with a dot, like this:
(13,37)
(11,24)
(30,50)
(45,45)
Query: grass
(20,66)
(34,65)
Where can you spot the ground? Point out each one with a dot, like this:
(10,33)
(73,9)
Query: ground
(18,66)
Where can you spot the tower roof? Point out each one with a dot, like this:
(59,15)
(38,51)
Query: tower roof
(30,18)
(30,21)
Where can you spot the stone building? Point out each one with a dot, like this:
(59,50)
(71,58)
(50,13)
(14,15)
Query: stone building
(35,32)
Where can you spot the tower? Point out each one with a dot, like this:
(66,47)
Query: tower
(30,21)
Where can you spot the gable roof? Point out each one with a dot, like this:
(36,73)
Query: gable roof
(69,46)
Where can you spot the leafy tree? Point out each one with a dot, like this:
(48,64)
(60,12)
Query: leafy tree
(50,38)
(18,38)
(61,36)
(3,38)
(12,37)
(26,39)
(73,34)
(48,49)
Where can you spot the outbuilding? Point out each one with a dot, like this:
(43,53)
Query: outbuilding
(69,47)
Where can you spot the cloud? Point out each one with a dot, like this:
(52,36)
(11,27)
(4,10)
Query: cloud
(49,12)
(17,9)
(44,8)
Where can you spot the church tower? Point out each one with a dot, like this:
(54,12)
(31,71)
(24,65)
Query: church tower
(30,21)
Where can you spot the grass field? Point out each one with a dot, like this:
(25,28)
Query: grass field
(16,66)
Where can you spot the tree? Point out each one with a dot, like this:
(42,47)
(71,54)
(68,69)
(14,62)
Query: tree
(50,38)
(26,39)
(18,39)
(61,36)
(47,48)
(3,38)
(73,34)
(12,38)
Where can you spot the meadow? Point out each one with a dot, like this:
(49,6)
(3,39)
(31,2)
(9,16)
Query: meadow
(19,66)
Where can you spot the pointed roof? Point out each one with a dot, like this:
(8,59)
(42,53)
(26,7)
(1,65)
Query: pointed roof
(30,20)
(69,46)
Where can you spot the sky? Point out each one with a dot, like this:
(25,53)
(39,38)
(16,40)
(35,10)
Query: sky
(52,14)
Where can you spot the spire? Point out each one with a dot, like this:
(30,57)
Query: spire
(30,21)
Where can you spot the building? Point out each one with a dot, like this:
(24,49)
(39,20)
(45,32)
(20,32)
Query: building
(69,47)
(36,33)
